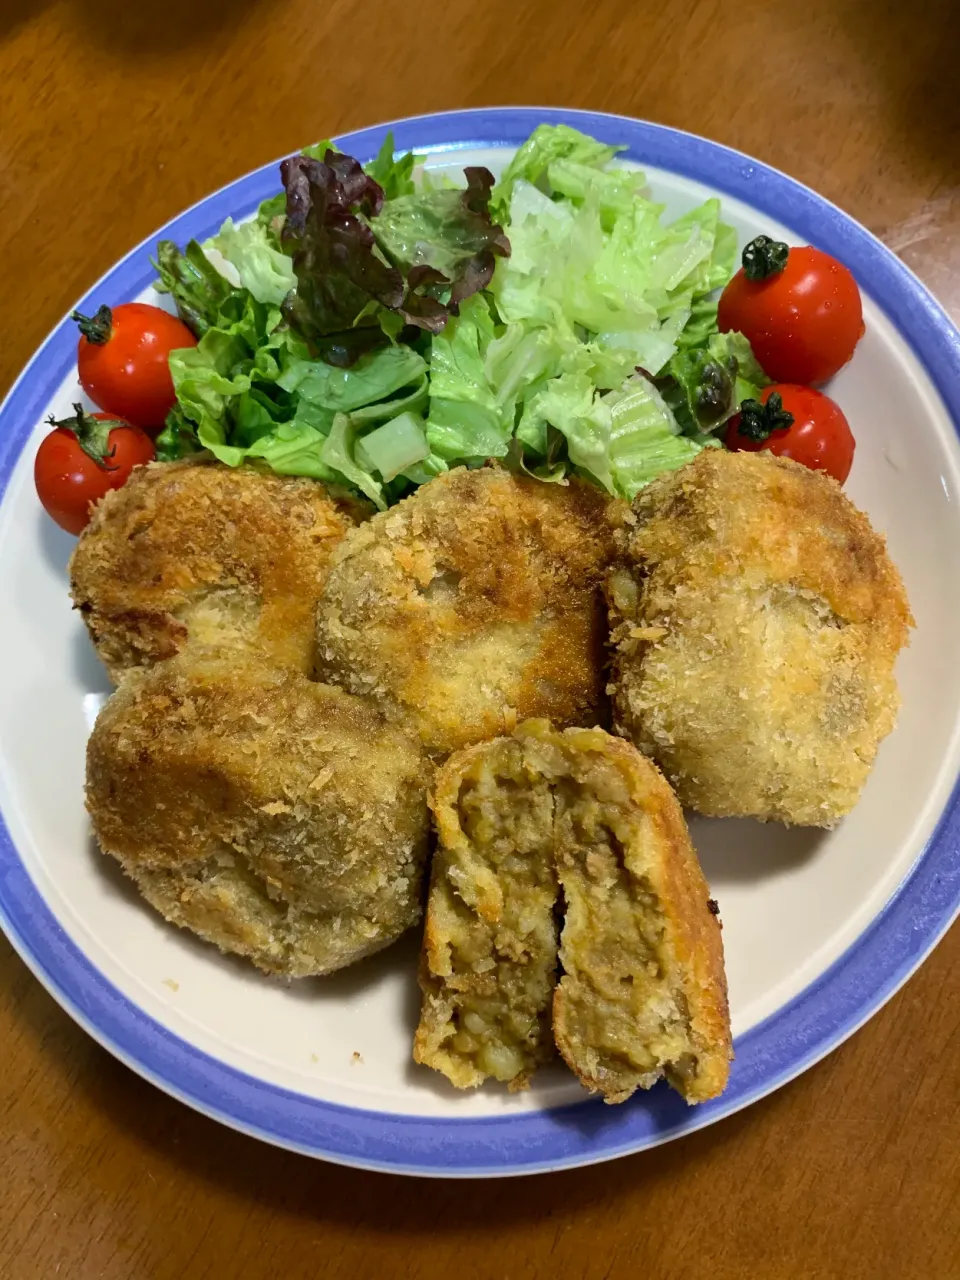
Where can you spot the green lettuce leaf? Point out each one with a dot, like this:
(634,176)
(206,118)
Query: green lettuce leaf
(260,267)
(293,449)
(196,286)
(614,190)
(700,324)
(378,376)
(441,229)
(449,231)
(547,145)
(338,453)
(318,150)
(394,174)
(644,437)
(178,439)
(465,420)
(707,384)
(629,289)
(250,389)
(428,469)
(571,406)
(621,440)
(270,217)
(393,448)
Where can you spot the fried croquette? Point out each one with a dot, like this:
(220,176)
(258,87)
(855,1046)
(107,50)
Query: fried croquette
(489,959)
(277,818)
(212,554)
(582,816)
(474,603)
(644,992)
(756,618)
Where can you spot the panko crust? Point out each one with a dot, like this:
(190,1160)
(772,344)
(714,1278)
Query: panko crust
(201,552)
(277,818)
(756,618)
(601,826)
(651,863)
(472,604)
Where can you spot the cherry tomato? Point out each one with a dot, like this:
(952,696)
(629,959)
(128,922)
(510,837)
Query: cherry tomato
(122,357)
(81,459)
(819,435)
(803,319)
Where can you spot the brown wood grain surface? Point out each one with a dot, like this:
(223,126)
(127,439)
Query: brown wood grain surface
(114,116)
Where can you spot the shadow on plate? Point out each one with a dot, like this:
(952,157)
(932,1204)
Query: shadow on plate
(56,545)
(593,1118)
(113,877)
(358,980)
(742,850)
(88,670)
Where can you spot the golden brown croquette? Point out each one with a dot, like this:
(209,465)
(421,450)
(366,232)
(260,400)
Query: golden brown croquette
(474,603)
(277,818)
(582,821)
(202,552)
(756,619)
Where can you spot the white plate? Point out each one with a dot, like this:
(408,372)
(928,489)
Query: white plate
(819,929)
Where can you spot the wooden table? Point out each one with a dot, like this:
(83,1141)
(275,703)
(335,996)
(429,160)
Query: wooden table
(114,116)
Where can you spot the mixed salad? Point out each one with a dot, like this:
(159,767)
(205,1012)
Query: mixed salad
(373,326)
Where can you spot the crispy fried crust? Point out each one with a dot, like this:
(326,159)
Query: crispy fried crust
(473,603)
(277,818)
(213,554)
(756,618)
(643,992)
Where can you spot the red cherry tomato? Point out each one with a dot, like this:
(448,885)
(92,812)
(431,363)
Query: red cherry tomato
(819,437)
(83,458)
(803,321)
(123,361)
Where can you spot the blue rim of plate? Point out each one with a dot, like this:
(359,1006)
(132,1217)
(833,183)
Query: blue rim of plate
(771,1053)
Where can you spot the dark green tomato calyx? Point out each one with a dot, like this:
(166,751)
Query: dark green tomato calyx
(715,392)
(96,328)
(764,257)
(759,421)
(93,434)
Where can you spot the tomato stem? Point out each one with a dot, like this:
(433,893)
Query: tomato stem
(96,328)
(759,421)
(764,257)
(93,434)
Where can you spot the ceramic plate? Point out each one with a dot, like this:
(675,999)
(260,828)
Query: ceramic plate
(819,928)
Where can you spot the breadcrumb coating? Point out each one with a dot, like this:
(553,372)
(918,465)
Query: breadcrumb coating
(197,551)
(280,819)
(756,618)
(473,604)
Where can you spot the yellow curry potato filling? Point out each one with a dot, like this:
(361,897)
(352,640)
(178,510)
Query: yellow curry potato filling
(577,824)
(622,1006)
(491,930)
